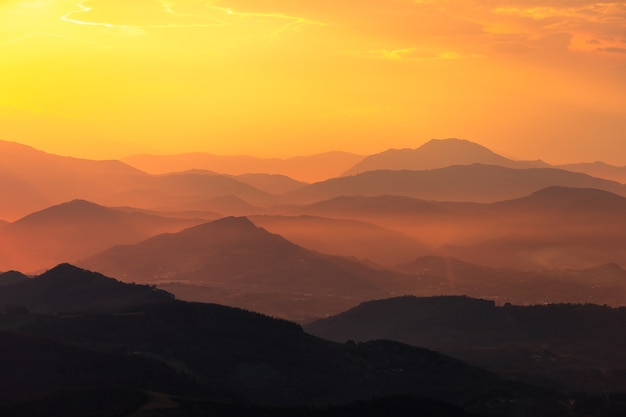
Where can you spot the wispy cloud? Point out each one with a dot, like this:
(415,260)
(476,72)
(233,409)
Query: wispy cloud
(162,14)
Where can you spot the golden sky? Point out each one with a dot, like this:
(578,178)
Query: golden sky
(107,78)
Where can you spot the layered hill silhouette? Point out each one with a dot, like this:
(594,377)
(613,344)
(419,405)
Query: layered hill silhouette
(344,237)
(177,190)
(438,153)
(598,169)
(57,179)
(555,227)
(74,230)
(31,179)
(212,352)
(68,289)
(436,275)
(11,277)
(234,254)
(271,183)
(303,168)
(565,346)
(472,183)
(558,227)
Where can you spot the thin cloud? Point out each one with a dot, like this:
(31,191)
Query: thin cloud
(162,14)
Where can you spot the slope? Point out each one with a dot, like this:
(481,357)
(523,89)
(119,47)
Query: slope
(437,153)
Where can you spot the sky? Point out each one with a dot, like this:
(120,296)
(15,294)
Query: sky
(108,78)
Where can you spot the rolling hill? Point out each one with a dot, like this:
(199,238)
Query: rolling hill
(68,289)
(472,183)
(252,265)
(212,352)
(303,168)
(32,180)
(74,230)
(344,237)
(563,346)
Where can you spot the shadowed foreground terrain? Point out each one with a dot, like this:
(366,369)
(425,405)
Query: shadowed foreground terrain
(232,362)
(569,347)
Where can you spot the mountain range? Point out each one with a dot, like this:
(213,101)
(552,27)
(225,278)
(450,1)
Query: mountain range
(303,168)
(564,346)
(74,230)
(473,183)
(438,153)
(205,352)
(246,266)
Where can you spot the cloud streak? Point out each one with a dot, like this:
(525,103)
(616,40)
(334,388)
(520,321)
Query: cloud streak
(163,14)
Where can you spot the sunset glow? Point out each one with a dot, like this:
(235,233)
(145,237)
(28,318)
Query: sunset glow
(106,79)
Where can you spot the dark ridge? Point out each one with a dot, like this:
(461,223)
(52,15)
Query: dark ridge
(66,288)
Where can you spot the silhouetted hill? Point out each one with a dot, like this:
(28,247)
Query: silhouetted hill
(11,277)
(598,169)
(304,168)
(474,183)
(234,254)
(344,237)
(111,183)
(31,179)
(271,183)
(66,288)
(175,191)
(233,251)
(556,228)
(438,153)
(566,346)
(568,200)
(74,230)
(373,207)
(237,355)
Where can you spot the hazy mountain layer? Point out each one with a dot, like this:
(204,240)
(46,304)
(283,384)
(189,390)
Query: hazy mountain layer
(344,237)
(438,153)
(233,254)
(304,168)
(74,230)
(475,183)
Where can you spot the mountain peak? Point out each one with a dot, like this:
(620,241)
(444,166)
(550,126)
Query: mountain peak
(66,270)
(229,222)
(437,153)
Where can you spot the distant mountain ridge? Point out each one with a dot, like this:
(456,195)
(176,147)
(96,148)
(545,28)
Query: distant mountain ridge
(438,153)
(235,255)
(461,183)
(75,229)
(304,168)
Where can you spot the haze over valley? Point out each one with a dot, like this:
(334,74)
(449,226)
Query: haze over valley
(477,256)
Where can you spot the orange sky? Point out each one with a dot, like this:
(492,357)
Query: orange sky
(107,78)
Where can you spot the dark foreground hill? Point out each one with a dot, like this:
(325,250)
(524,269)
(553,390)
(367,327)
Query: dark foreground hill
(566,346)
(66,288)
(212,352)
